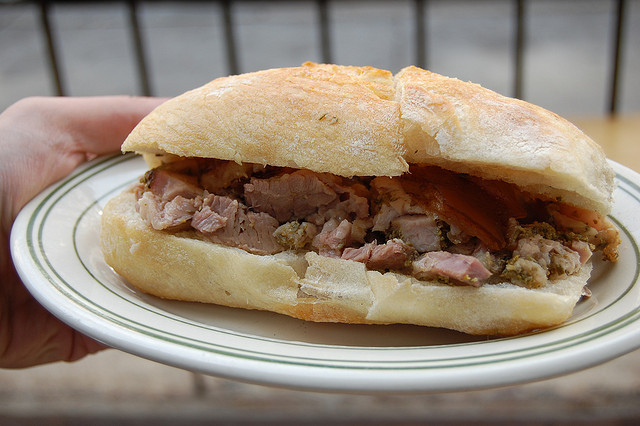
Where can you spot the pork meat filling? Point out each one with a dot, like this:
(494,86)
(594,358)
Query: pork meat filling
(431,223)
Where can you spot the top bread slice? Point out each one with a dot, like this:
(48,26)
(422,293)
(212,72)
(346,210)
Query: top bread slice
(363,121)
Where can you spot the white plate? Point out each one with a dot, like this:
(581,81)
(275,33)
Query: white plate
(55,247)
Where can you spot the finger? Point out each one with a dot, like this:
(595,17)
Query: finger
(45,138)
(99,125)
(33,336)
(89,125)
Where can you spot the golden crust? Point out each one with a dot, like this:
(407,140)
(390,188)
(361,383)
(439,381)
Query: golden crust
(362,121)
(475,130)
(318,288)
(318,117)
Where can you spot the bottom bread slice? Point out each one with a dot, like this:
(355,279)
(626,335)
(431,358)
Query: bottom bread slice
(311,287)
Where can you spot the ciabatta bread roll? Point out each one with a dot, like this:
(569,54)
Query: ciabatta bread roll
(346,194)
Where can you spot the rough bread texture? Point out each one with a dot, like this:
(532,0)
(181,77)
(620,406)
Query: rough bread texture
(326,118)
(364,121)
(317,288)
(475,130)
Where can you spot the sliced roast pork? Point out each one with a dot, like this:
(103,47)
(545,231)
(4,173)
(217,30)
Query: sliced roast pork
(240,228)
(394,255)
(431,223)
(391,201)
(420,231)
(333,238)
(455,268)
(168,184)
(172,215)
(289,196)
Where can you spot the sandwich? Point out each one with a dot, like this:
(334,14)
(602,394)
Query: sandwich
(348,194)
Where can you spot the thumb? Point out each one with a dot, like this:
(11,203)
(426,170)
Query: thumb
(53,135)
(99,125)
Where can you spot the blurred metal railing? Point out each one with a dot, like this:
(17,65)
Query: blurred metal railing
(324,23)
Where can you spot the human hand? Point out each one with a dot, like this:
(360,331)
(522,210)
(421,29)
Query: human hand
(43,140)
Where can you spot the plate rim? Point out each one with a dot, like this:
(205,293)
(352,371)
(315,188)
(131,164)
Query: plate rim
(99,165)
